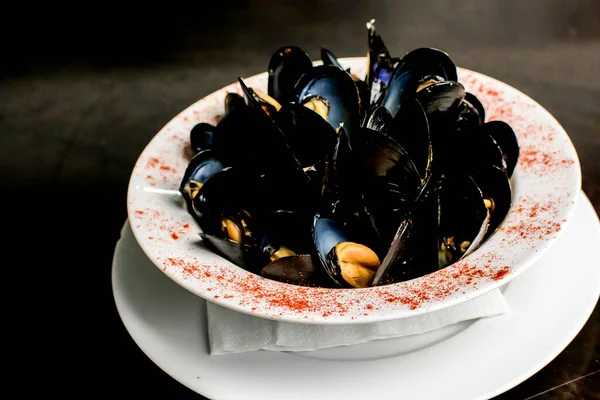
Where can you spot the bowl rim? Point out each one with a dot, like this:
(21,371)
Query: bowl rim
(536,181)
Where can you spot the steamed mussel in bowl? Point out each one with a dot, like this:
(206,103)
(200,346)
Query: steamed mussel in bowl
(331,180)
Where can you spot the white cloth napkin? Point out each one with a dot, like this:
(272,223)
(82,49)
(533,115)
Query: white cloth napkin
(232,332)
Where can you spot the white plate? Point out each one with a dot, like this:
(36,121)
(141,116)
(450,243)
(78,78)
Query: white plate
(546,183)
(550,303)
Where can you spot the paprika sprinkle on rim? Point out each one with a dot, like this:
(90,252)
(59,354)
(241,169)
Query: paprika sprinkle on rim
(546,185)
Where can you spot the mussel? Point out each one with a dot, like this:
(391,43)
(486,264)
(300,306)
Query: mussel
(347,261)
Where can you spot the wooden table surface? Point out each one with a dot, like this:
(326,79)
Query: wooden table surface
(83,94)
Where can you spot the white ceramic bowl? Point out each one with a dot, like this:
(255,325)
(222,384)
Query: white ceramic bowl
(546,185)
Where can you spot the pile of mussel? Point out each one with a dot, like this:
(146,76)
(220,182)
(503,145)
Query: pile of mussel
(330,180)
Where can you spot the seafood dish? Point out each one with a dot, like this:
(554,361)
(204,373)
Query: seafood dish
(330,180)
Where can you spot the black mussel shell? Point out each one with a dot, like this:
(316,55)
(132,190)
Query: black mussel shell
(201,168)
(260,101)
(234,101)
(363,89)
(415,69)
(329,58)
(230,189)
(286,67)
(474,102)
(380,156)
(236,235)
(270,144)
(505,137)
(469,151)
(395,252)
(380,65)
(306,132)
(414,249)
(497,193)
(290,229)
(411,130)
(340,175)
(348,263)
(402,85)
(389,180)
(380,120)
(296,269)
(429,61)
(235,140)
(201,136)
(441,97)
(247,257)
(468,116)
(332,93)
(463,218)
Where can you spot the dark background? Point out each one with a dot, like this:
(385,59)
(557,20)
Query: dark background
(84,87)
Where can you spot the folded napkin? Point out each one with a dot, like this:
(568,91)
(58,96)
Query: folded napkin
(232,332)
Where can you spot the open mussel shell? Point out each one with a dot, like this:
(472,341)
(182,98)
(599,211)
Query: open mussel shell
(463,218)
(286,66)
(307,133)
(418,68)
(294,269)
(381,156)
(270,143)
(505,138)
(497,193)
(331,92)
(363,89)
(389,180)
(201,168)
(413,251)
(236,235)
(380,65)
(347,261)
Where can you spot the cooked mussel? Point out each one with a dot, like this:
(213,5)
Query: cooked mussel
(348,262)
(417,70)
(459,227)
(236,235)
(331,92)
(463,218)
